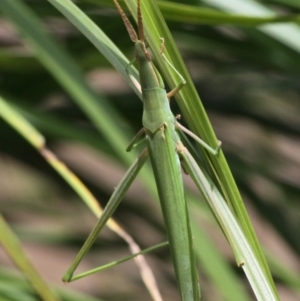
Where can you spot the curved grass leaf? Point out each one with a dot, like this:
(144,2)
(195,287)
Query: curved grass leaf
(13,247)
(288,34)
(192,14)
(68,74)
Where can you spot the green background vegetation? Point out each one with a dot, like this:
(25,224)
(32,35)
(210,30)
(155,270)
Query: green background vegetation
(248,79)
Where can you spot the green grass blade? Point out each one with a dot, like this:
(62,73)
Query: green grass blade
(65,70)
(244,254)
(288,34)
(214,265)
(97,37)
(198,15)
(192,14)
(36,139)
(13,247)
(16,288)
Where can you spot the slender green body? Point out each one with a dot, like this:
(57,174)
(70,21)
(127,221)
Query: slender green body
(162,140)
(161,137)
(166,167)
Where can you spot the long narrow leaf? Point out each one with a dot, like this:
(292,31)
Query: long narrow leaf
(13,247)
(244,254)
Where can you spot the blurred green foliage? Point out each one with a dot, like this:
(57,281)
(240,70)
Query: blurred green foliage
(248,80)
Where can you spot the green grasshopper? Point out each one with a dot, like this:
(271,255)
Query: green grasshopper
(165,149)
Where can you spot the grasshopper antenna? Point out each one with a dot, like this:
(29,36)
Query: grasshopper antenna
(131,31)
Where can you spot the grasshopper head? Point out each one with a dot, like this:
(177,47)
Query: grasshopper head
(141,52)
